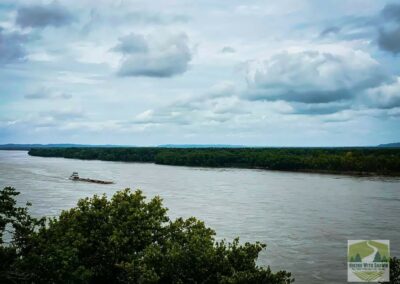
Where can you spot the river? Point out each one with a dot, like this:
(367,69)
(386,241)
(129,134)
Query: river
(305,219)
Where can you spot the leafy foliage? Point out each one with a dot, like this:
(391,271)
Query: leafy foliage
(17,228)
(394,271)
(336,160)
(123,240)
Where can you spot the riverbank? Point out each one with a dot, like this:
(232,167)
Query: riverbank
(347,161)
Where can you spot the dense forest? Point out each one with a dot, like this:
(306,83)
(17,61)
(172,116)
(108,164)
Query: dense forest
(331,160)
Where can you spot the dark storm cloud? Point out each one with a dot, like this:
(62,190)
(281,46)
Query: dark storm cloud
(40,16)
(11,47)
(145,58)
(390,40)
(389,32)
(391,12)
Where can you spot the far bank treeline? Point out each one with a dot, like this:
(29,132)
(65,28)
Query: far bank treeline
(334,160)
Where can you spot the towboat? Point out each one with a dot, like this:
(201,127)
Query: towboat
(75,177)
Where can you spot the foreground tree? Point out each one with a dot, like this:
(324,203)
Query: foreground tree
(394,271)
(123,240)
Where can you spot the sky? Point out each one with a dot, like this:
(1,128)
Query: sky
(262,73)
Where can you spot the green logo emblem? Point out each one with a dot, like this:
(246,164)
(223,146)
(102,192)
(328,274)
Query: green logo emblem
(368,261)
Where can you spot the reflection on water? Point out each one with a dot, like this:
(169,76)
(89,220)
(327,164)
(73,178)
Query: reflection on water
(305,219)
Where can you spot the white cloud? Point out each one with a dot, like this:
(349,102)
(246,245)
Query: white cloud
(386,95)
(145,116)
(153,57)
(313,76)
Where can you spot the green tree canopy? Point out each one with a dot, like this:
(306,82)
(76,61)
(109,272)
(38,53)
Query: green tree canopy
(123,240)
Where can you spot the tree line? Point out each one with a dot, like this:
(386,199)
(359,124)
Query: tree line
(333,160)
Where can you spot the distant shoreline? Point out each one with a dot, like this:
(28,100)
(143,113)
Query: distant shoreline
(27,147)
(338,161)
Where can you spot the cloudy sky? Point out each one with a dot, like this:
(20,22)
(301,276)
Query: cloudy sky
(273,73)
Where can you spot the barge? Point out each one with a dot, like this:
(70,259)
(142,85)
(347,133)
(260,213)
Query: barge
(75,177)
